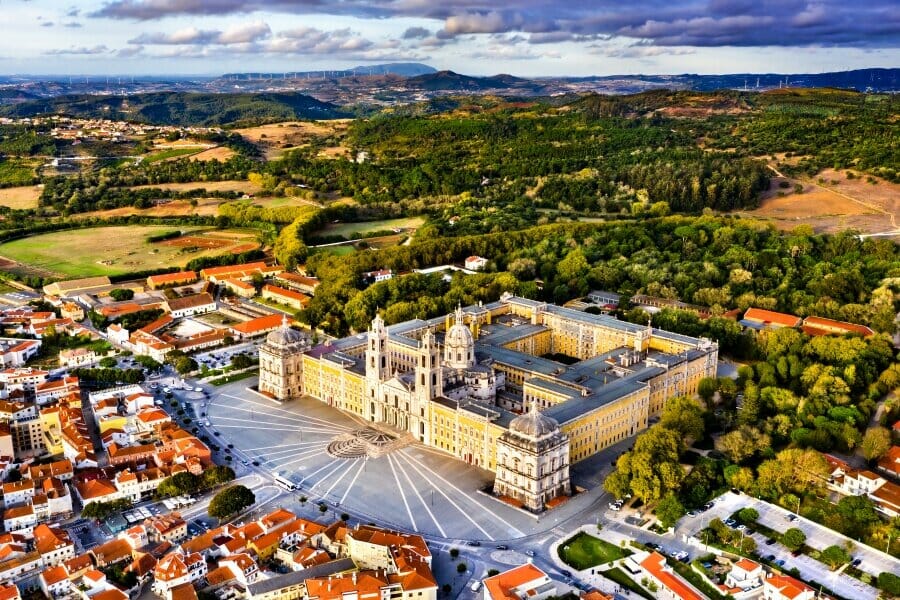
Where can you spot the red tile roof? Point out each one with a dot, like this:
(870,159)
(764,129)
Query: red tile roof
(770,316)
(655,564)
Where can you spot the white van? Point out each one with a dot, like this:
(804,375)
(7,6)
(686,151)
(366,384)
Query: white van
(476,585)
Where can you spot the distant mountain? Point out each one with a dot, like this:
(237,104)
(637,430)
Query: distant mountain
(11,96)
(402,69)
(177,108)
(449,80)
(875,80)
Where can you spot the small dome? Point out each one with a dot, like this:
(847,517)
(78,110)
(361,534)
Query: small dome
(284,335)
(534,424)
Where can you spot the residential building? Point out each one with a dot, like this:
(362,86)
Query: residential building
(243,272)
(785,587)
(195,304)
(301,283)
(744,580)
(670,585)
(890,462)
(290,298)
(176,569)
(256,327)
(71,310)
(378,276)
(155,282)
(524,581)
(15,352)
(239,287)
(73,287)
(758,318)
(475,263)
(603,298)
(821,326)
(78,357)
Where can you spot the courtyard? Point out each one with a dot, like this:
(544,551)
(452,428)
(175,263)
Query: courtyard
(341,461)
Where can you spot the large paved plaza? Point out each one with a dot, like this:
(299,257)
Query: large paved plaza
(413,487)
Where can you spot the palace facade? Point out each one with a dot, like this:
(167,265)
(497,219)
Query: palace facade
(518,387)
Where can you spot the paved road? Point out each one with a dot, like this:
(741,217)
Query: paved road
(817,536)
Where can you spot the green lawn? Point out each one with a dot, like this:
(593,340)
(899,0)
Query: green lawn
(348,230)
(585,551)
(337,250)
(618,575)
(79,252)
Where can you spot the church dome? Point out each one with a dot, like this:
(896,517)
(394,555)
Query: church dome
(459,344)
(534,424)
(459,336)
(284,336)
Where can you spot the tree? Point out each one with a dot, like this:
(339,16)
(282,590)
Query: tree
(217,475)
(454,553)
(462,567)
(185,364)
(793,539)
(684,416)
(230,501)
(834,556)
(890,583)
(856,515)
(669,510)
(241,361)
(101,510)
(707,388)
(742,443)
(121,294)
(875,443)
(109,362)
(739,477)
(178,484)
(748,515)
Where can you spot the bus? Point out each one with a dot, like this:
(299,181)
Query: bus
(285,484)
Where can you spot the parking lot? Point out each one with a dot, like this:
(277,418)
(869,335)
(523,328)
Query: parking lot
(817,536)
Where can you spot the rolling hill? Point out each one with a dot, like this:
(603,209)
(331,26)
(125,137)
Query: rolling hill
(175,108)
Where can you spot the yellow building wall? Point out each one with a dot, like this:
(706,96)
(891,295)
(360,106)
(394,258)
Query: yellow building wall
(466,437)
(544,397)
(52,428)
(113,422)
(607,425)
(538,344)
(333,385)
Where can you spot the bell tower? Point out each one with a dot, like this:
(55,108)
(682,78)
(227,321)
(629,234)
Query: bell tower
(378,359)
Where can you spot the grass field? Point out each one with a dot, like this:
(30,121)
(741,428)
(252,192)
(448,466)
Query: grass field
(103,250)
(585,551)
(20,198)
(171,153)
(15,171)
(337,250)
(349,230)
(619,576)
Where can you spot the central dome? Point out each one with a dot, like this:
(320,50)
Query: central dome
(534,424)
(459,344)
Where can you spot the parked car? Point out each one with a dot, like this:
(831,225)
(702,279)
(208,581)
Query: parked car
(770,541)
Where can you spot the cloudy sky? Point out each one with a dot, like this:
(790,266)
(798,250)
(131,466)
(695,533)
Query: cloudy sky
(523,37)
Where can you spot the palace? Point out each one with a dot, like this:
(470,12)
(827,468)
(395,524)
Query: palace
(518,387)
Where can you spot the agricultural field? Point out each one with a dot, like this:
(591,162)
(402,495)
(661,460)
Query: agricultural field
(117,250)
(275,138)
(220,153)
(244,187)
(17,172)
(170,153)
(20,198)
(355,230)
(830,202)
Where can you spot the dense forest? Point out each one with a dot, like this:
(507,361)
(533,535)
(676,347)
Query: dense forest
(722,263)
(179,108)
